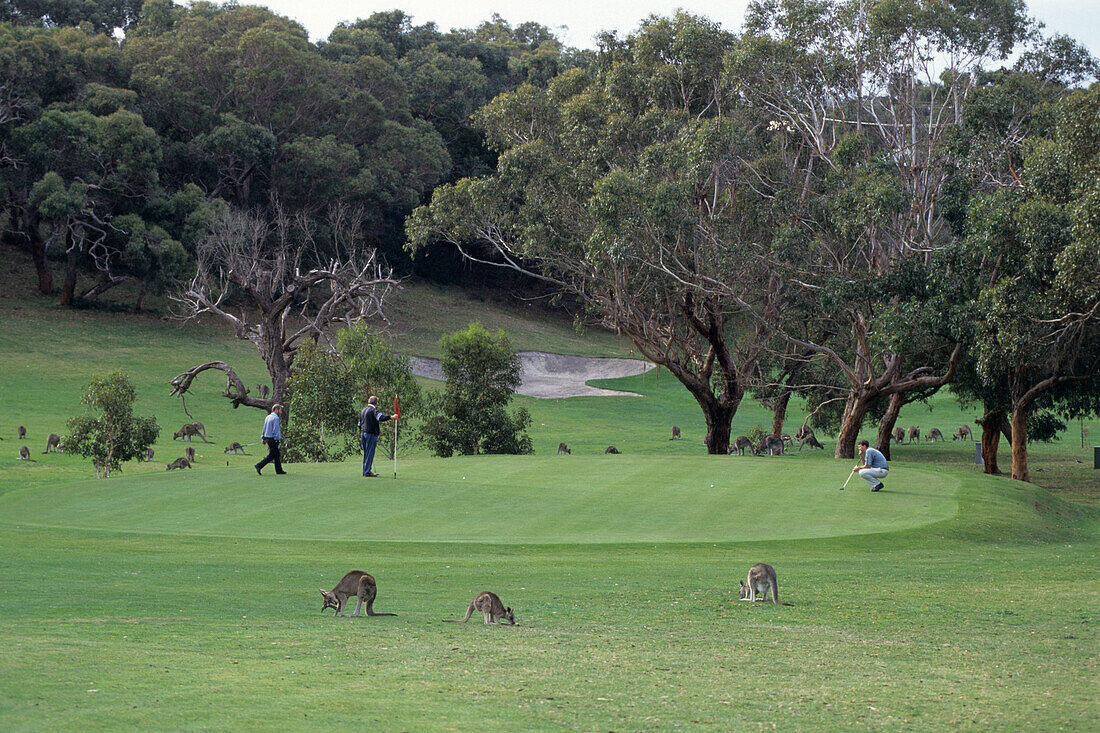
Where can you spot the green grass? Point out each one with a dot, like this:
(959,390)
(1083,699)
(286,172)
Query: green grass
(188,600)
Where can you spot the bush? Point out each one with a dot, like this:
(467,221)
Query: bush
(469,416)
(114,436)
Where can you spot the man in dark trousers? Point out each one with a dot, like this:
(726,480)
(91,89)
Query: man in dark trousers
(368,428)
(273,433)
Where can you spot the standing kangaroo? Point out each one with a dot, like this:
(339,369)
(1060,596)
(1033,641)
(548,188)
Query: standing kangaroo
(675,432)
(914,434)
(563,448)
(803,430)
(761,577)
(489,604)
(54,441)
(963,433)
(739,445)
(22,432)
(770,445)
(264,390)
(358,584)
(149,455)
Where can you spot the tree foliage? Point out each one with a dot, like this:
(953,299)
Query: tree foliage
(470,416)
(109,433)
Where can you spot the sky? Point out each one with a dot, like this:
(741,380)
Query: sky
(576,22)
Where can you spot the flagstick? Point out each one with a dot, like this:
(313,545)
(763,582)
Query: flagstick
(395,448)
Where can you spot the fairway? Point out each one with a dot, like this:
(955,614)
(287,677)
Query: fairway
(559,500)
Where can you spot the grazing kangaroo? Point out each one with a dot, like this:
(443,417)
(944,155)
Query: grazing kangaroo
(563,448)
(934,434)
(189,453)
(898,435)
(148,455)
(358,584)
(809,440)
(771,445)
(25,454)
(235,447)
(489,604)
(761,577)
(612,449)
(914,434)
(22,432)
(54,441)
(739,445)
(963,433)
(189,430)
(675,432)
(178,463)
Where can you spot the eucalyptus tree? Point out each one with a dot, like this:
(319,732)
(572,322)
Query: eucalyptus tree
(863,98)
(621,187)
(1038,298)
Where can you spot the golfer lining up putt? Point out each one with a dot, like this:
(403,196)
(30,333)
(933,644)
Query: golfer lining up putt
(874,467)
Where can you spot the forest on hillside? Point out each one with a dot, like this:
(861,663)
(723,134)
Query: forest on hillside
(856,202)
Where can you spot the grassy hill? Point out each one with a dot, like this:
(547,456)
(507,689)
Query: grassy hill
(189,600)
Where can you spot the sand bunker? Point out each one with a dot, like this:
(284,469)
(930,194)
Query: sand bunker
(551,376)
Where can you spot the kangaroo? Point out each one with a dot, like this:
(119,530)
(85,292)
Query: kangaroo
(739,445)
(761,577)
(675,432)
(235,447)
(148,455)
(563,448)
(189,453)
(25,454)
(264,390)
(963,433)
(54,441)
(612,449)
(934,434)
(898,435)
(489,604)
(913,434)
(809,440)
(358,584)
(178,463)
(787,440)
(803,431)
(771,445)
(22,432)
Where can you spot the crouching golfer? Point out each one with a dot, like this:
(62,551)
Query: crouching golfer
(874,467)
(368,427)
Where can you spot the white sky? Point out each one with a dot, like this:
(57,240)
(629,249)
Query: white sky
(576,22)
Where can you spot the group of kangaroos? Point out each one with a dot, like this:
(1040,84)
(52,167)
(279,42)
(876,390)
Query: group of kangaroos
(774,445)
(758,584)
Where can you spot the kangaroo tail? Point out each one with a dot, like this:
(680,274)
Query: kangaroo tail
(775,592)
(372,613)
(464,619)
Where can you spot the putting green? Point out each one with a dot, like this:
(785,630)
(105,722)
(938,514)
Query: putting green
(500,500)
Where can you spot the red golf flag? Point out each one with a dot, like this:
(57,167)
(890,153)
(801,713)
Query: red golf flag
(396,411)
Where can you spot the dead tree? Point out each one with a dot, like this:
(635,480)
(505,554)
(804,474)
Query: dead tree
(275,283)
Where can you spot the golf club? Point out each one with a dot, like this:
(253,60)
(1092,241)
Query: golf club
(853,473)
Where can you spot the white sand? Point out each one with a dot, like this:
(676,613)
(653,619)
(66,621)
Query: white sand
(552,376)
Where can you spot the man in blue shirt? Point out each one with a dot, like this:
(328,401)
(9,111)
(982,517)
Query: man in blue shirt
(273,433)
(874,467)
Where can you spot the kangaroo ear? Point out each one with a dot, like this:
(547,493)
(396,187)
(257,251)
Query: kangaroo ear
(742,583)
(508,610)
(324,592)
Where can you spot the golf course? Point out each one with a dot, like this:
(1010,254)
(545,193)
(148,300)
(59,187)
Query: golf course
(189,599)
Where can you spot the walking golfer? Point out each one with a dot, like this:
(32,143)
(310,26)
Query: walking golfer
(368,428)
(273,433)
(874,467)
